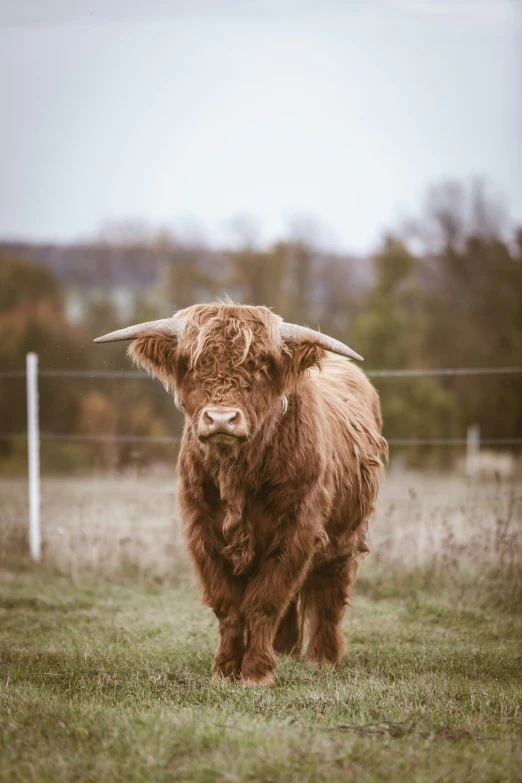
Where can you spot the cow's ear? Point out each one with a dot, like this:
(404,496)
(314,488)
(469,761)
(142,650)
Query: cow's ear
(300,356)
(158,354)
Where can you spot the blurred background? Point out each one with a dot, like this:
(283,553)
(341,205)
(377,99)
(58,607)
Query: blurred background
(356,166)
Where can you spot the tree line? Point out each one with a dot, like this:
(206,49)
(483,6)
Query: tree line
(443,290)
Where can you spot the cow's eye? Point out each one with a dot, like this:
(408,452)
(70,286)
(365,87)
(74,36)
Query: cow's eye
(257,370)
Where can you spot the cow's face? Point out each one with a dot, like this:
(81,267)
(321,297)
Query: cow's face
(227,396)
(229,371)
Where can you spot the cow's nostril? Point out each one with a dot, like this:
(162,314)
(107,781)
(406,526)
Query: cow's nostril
(207,418)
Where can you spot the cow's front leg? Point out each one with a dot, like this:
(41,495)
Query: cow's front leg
(222,592)
(267,597)
(229,653)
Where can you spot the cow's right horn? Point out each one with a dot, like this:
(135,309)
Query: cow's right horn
(293,332)
(171,326)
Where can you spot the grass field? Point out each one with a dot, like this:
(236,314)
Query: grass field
(105,650)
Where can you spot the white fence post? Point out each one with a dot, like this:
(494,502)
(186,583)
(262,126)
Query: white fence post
(472,450)
(33,453)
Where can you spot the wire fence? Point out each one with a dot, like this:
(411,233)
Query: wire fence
(35,436)
(413,373)
(166,439)
(172,440)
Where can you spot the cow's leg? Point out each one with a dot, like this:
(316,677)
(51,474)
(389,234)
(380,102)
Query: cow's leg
(267,597)
(222,591)
(223,595)
(326,593)
(229,653)
(287,639)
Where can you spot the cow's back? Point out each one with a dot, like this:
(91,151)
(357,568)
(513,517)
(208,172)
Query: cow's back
(347,393)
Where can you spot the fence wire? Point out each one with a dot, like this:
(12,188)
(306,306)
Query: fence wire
(173,440)
(415,373)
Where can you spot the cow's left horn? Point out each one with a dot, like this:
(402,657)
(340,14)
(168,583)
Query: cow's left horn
(171,326)
(294,332)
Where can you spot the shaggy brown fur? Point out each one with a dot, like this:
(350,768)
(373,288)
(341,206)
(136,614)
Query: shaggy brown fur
(275,523)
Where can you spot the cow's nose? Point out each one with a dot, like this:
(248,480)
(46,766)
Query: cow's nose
(221,419)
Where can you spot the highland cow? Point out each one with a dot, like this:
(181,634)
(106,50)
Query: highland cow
(277,475)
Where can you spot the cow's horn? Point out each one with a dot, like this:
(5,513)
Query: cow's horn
(294,332)
(171,326)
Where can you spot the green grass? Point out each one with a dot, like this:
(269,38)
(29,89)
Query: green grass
(106,651)
(104,682)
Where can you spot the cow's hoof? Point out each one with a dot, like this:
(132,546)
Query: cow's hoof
(227,668)
(227,675)
(319,656)
(264,681)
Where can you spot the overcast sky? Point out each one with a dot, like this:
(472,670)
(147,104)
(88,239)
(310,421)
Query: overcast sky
(190,113)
